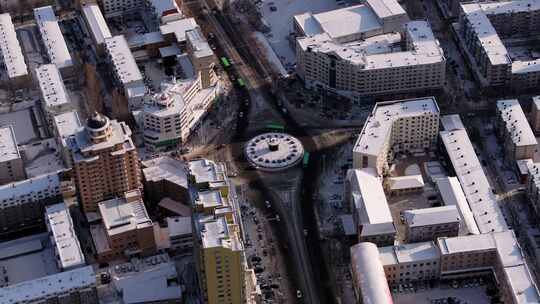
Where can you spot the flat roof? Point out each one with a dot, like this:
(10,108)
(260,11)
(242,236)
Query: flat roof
(406,182)
(52,87)
(372,203)
(96,22)
(52,37)
(179,225)
(386,8)
(66,124)
(378,126)
(27,190)
(179,28)
(205,170)
(359,18)
(8,145)
(200,47)
(451,122)
(431,216)
(214,232)
(65,239)
(166,168)
(408,253)
(56,284)
(452,195)
(165,7)
(119,215)
(473,180)
(516,123)
(10,47)
(125,66)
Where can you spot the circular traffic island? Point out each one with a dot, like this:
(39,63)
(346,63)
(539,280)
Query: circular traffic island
(274,151)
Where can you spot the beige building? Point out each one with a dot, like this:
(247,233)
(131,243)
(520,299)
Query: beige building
(126,231)
(535,115)
(430,223)
(410,262)
(11,163)
(104,160)
(514,130)
(367,49)
(368,276)
(402,126)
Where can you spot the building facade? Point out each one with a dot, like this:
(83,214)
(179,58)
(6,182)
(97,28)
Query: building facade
(11,55)
(105,161)
(54,97)
(166,177)
(11,162)
(535,115)
(428,224)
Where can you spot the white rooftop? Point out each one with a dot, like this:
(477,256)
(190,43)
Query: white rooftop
(56,284)
(473,180)
(11,49)
(451,122)
(67,124)
(406,182)
(125,66)
(205,170)
(377,128)
(166,168)
(408,253)
(98,25)
(516,123)
(165,7)
(119,215)
(431,216)
(64,237)
(179,226)
(359,18)
(452,195)
(8,144)
(200,47)
(386,8)
(52,37)
(179,28)
(30,189)
(52,86)
(214,232)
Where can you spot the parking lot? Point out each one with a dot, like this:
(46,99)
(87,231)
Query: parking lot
(470,291)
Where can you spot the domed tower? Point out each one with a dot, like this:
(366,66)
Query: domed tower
(98,127)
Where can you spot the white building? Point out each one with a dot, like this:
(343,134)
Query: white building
(473,180)
(74,286)
(118,8)
(96,23)
(355,51)
(66,125)
(410,262)
(396,127)
(515,131)
(53,40)
(452,195)
(54,97)
(430,223)
(125,70)
(22,203)
(11,54)
(368,277)
(180,233)
(371,213)
(67,248)
(11,163)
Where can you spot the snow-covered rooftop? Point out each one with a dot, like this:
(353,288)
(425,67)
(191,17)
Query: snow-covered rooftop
(52,285)
(68,248)
(205,170)
(516,123)
(122,214)
(98,25)
(179,226)
(452,195)
(200,47)
(406,182)
(8,145)
(451,122)
(165,7)
(52,37)
(125,66)
(179,28)
(66,124)
(31,189)
(12,55)
(431,216)
(408,253)
(378,126)
(386,8)
(52,86)
(473,181)
(166,168)
(215,232)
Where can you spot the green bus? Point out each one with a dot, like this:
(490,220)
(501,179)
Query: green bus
(275,127)
(225,62)
(241,83)
(305,160)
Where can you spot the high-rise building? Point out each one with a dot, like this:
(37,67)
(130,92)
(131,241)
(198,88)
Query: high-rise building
(105,161)
(11,163)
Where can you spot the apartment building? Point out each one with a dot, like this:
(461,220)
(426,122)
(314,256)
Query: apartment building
(118,8)
(99,30)
(357,51)
(65,125)
(482,26)
(451,194)
(410,262)
(11,162)
(430,223)
(126,229)
(533,190)
(371,213)
(401,126)
(54,97)
(515,132)
(105,161)
(53,40)
(126,73)
(11,56)
(73,286)
(180,233)
(166,177)
(535,115)
(164,10)
(368,276)
(22,203)
(67,249)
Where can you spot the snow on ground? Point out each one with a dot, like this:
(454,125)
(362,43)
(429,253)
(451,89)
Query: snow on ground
(412,169)
(281,22)
(22,124)
(42,158)
(270,54)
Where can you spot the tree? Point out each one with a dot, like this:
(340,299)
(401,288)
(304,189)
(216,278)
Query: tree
(93,89)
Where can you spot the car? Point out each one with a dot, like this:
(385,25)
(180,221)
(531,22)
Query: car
(273,8)
(298,294)
(256,258)
(268,205)
(258,269)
